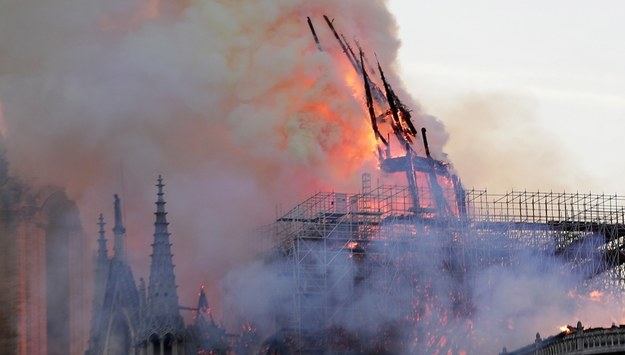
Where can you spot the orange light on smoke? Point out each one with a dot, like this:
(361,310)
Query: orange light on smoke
(146,10)
(150,9)
(355,82)
(596,295)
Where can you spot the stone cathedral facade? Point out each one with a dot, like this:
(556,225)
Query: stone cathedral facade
(146,320)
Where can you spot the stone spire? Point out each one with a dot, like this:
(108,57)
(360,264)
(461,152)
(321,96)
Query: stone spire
(203,312)
(118,230)
(102,252)
(162,295)
(142,299)
(101,273)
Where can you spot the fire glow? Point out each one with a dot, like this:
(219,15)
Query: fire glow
(236,102)
(596,296)
(566,329)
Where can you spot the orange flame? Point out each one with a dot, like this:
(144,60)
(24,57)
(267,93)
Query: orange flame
(565,329)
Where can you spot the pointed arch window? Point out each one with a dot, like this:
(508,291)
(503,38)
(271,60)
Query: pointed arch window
(154,345)
(168,344)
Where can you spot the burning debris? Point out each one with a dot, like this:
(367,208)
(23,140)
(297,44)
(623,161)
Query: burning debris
(426,171)
(226,98)
(417,268)
(572,340)
(233,101)
(393,269)
(369,268)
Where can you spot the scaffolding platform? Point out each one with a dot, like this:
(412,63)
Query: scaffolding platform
(337,244)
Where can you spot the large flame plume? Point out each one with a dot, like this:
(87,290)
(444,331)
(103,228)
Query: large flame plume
(231,101)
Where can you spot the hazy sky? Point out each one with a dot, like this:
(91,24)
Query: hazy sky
(532,92)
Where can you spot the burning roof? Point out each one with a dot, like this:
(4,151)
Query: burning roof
(395,120)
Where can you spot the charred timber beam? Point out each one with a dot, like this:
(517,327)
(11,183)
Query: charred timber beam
(371,68)
(351,56)
(343,47)
(351,53)
(437,191)
(425,143)
(405,115)
(314,33)
(411,163)
(374,123)
(378,95)
(403,120)
(395,122)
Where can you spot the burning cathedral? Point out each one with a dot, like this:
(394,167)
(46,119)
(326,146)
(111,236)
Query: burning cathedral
(389,269)
(237,97)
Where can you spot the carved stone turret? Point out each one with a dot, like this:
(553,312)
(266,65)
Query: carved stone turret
(116,300)
(101,273)
(164,326)
(143,320)
(118,230)
(102,251)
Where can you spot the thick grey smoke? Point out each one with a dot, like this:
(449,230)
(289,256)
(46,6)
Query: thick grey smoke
(229,100)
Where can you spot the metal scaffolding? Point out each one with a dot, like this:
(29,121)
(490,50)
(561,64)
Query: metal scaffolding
(585,230)
(326,239)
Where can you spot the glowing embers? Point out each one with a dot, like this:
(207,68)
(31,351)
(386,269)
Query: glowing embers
(354,247)
(566,329)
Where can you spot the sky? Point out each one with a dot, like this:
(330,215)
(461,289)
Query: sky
(532,92)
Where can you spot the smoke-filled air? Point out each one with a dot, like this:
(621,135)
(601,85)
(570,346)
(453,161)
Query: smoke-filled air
(234,104)
(230,101)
